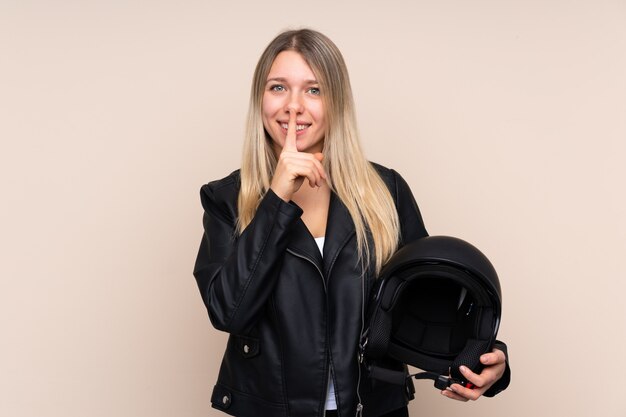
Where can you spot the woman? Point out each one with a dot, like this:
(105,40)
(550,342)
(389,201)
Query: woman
(293,242)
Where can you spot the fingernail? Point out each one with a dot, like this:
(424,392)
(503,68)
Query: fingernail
(464,368)
(484,359)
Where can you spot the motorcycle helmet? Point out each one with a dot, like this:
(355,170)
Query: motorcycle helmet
(436,306)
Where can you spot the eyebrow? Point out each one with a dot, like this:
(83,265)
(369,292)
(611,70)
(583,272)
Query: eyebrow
(284,80)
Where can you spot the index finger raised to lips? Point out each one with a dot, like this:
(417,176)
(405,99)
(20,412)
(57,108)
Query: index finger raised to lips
(290,140)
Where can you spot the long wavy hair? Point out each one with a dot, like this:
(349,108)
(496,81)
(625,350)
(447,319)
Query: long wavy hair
(350,176)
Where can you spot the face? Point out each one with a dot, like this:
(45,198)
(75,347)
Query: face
(291,84)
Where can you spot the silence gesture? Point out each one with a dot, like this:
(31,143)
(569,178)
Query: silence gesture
(294,166)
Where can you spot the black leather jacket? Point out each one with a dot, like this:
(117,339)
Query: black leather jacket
(294,317)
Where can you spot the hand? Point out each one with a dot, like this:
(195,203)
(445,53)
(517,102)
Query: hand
(293,166)
(495,365)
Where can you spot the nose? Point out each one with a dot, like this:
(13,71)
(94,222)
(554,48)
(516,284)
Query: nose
(294,103)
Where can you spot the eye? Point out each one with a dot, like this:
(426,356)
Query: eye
(277,87)
(315,91)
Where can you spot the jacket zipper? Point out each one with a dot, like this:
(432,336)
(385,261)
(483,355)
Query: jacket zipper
(314,264)
(328,376)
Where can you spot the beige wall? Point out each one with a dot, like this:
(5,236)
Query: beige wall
(507,118)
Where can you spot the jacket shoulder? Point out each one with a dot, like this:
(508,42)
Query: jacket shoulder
(411,221)
(232,180)
(220,196)
(384,172)
(389,177)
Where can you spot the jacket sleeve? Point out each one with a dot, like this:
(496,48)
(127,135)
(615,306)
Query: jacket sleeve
(236,274)
(411,223)
(505,380)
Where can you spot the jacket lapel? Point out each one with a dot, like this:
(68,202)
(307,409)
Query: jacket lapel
(339,229)
(303,243)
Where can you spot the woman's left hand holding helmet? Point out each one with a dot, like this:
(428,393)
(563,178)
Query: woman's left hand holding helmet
(495,365)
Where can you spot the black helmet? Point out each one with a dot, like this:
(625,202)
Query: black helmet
(435,306)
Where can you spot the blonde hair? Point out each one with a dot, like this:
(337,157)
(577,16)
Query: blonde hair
(350,175)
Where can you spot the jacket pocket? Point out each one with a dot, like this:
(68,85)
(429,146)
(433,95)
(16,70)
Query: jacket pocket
(247,346)
(241,404)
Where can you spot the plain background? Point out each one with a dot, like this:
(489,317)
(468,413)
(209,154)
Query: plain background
(506,117)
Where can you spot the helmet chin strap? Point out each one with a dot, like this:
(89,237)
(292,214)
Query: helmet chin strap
(441,381)
(399,378)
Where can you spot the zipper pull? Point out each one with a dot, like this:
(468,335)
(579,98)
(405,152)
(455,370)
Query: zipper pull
(359,410)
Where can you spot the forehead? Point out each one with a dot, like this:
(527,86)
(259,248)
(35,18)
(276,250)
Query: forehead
(291,66)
